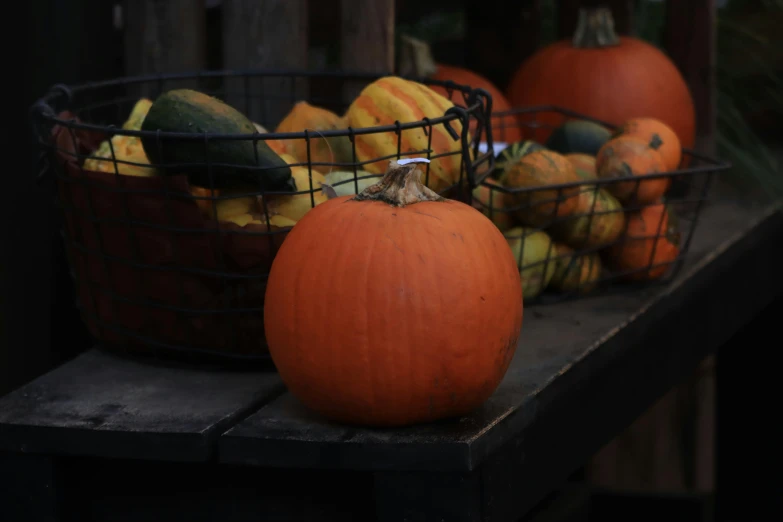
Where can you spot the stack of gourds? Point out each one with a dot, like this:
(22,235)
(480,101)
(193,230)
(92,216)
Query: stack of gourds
(565,217)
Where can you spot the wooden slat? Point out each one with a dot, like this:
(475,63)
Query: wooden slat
(367,39)
(265,34)
(164,36)
(690,40)
(107,406)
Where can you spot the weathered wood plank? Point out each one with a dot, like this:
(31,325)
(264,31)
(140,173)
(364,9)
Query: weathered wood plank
(606,392)
(555,343)
(269,35)
(164,36)
(366,39)
(103,405)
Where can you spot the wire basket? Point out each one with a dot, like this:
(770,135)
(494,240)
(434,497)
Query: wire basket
(580,238)
(168,268)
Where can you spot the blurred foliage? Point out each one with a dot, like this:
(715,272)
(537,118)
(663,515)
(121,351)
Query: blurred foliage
(749,74)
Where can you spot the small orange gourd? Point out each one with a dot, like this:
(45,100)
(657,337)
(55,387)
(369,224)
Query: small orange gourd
(393,307)
(652,130)
(322,151)
(649,246)
(626,156)
(543,168)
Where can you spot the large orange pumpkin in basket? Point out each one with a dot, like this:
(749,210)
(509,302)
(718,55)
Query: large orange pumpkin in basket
(607,77)
(393,307)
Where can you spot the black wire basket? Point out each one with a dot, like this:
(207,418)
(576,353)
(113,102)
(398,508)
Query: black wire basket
(580,238)
(168,268)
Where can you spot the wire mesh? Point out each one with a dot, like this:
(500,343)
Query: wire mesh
(595,235)
(170,268)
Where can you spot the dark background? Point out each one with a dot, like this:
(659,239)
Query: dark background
(40,325)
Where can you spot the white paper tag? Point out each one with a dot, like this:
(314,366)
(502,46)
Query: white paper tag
(412,160)
(497,147)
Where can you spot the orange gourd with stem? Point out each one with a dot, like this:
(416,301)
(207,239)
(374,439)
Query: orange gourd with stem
(629,156)
(393,307)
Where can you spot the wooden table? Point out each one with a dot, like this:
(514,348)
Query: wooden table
(109,439)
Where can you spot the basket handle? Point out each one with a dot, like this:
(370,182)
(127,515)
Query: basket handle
(40,117)
(484,99)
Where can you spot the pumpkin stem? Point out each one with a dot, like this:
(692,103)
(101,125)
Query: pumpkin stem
(415,58)
(399,187)
(595,29)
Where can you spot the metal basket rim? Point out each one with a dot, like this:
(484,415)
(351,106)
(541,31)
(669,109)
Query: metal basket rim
(43,111)
(602,181)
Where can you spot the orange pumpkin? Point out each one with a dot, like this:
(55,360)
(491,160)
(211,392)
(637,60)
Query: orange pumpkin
(655,131)
(608,77)
(505,127)
(278,146)
(416,58)
(537,169)
(626,156)
(303,116)
(649,246)
(393,307)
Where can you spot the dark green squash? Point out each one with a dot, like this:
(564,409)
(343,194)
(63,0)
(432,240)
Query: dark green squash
(189,111)
(578,136)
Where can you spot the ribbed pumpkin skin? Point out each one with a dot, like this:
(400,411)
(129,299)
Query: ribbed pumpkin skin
(391,98)
(504,129)
(613,84)
(385,316)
